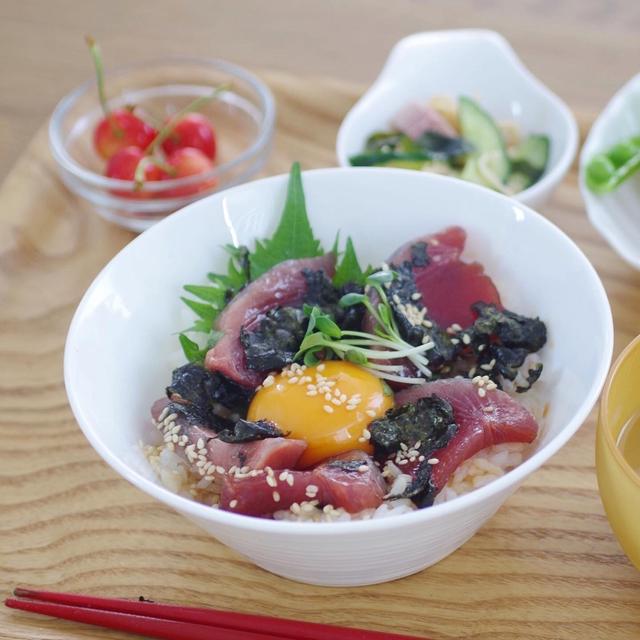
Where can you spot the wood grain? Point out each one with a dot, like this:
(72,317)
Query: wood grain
(545,567)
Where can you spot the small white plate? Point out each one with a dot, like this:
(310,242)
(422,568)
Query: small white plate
(477,63)
(616,215)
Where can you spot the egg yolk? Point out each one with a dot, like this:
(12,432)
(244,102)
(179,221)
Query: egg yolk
(328,405)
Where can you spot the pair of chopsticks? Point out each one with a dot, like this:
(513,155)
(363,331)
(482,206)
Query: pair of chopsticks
(172,622)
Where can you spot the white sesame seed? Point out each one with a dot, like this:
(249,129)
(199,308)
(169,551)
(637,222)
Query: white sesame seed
(455,341)
(283,476)
(311,491)
(482,392)
(290,479)
(276,496)
(416,296)
(271,481)
(371,413)
(233,504)
(433,460)
(293,380)
(420,458)
(279,387)
(200,443)
(336,401)
(268,381)
(466,338)
(320,367)
(363,468)
(328,408)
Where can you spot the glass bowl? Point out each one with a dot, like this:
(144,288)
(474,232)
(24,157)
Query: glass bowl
(619,484)
(243,118)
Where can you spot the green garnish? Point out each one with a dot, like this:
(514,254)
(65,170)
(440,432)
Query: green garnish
(293,239)
(365,349)
(212,300)
(349,270)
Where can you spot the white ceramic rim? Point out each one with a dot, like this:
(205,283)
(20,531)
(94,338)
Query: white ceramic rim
(511,479)
(554,174)
(615,104)
(67,163)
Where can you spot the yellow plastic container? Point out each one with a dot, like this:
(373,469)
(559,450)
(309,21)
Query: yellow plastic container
(619,484)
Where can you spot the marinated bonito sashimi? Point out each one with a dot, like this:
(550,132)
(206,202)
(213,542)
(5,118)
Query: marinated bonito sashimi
(351,482)
(485,416)
(321,390)
(284,285)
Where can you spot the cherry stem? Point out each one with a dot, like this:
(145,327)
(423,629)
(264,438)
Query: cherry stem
(167,130)
(94,49)
(145,162)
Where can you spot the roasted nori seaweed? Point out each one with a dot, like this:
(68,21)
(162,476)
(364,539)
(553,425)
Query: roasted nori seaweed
(508,328)
(505,339)
(429,421)
(199,395)
(247,431)
(276,339)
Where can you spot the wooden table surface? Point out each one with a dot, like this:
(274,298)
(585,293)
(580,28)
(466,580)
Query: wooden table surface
(546,566)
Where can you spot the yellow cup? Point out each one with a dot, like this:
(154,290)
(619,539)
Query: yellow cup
(619,484)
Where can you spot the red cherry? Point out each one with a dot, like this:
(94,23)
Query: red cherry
(188,161)
(121,129)
(193,130)
(123,165)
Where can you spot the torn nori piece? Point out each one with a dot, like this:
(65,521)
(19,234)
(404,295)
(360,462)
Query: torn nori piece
(532,376)
(430,422)
(350,466)
(509,328)
(419,256)
(322,293)
(198,394)
(503,339)
(247,431)
(274,342)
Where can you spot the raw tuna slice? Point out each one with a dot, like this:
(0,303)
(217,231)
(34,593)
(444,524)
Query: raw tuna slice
(350,481)
(483,421)
(414,119)
(450,288)
(441,247)
(283,285)
(256,496)
(201,446)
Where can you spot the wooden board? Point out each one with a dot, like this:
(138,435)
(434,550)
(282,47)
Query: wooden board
(545,567)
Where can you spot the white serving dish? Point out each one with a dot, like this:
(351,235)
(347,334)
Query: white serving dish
(122,343)
(616,215)
(477,63)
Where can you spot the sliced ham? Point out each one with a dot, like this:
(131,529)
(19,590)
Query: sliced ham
(483,421)
(350,481)
(415,119)
(283,285)
(202,446)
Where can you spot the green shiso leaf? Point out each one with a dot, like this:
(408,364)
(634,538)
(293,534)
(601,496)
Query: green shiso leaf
(349,270)
(293,239)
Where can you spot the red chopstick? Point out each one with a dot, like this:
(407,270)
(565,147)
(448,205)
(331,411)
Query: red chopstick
(172,622)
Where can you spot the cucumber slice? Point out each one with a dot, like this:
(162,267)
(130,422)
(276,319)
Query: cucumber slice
(529,160)
(480,129)
(534,150)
